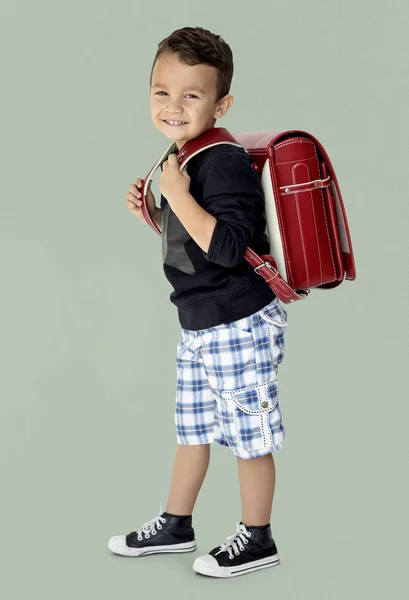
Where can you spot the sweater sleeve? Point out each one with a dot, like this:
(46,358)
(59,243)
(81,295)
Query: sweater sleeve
(233,194)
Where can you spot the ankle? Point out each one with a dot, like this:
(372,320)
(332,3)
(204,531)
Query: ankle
(255,521)
(266,526)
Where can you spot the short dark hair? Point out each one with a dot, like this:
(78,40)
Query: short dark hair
(194,46)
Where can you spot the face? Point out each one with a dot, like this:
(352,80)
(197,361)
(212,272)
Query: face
(180,92)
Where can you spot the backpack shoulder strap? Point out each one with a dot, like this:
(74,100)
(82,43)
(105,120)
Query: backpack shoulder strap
(214,136)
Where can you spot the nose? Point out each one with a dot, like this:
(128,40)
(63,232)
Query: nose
(173,106)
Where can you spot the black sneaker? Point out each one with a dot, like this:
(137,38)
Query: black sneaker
(164,533)
(249,549)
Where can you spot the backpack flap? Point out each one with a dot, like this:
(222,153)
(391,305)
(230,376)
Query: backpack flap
(310,245)
(343,228)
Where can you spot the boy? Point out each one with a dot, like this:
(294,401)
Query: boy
(232,323)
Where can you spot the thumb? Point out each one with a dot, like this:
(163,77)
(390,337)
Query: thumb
(149,191)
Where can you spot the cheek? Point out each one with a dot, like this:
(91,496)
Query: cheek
(156,112)
(155,104)
(199,112)
(204,111)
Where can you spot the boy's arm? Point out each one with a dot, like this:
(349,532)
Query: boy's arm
(233,194)
(233,199)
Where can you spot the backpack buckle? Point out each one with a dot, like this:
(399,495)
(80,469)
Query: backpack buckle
(267,264)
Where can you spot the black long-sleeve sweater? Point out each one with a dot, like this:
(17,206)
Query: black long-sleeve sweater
(219,286)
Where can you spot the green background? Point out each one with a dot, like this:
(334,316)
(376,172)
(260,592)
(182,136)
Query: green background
(88,335)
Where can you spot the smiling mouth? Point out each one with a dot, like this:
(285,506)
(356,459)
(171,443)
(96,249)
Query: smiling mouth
(173,123)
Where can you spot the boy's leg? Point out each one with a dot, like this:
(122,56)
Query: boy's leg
(197,427)
(189,470)
(245,383)
(252,547)
(172,530)
(257,483)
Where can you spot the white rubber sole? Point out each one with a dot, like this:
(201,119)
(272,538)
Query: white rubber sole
(117,544)
(213,570)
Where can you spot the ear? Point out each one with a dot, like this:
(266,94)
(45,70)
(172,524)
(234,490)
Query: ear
(223,106)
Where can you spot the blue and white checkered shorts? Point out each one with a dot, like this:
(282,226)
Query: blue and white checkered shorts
(227,385)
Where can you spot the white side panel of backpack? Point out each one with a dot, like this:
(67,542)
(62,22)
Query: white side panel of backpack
(272,229)
(343,238)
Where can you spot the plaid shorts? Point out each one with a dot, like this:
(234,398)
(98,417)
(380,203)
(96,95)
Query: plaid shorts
(227,385)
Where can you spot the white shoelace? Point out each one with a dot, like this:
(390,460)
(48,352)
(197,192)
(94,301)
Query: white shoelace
(235,542)
(150,527)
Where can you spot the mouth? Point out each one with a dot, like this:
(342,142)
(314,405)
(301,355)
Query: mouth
(172,123)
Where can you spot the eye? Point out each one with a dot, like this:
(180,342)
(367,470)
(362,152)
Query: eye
(158,93)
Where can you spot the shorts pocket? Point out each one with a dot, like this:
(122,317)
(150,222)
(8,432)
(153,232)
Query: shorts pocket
(242,326)
(255,416)
(274,318)
(274,314)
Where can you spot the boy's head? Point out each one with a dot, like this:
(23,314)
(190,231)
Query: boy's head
(190,58)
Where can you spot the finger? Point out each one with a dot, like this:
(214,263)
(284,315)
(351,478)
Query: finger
(135,201)
(134,190)
(132,207)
